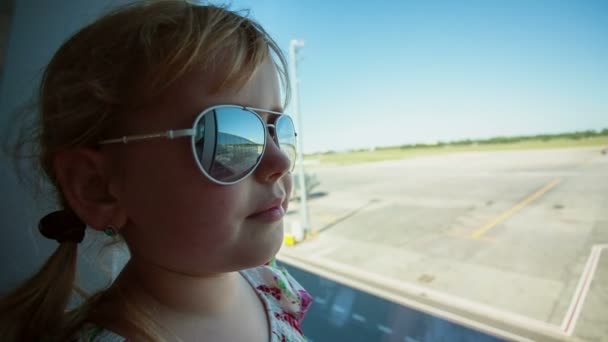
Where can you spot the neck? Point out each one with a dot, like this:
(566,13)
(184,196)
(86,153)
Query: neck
(167,292)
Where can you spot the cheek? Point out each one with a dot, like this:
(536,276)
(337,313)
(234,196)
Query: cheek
(155,171)
(178,218)
(200,221)
(165,190)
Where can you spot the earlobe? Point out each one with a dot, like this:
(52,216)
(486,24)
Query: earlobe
(85,186)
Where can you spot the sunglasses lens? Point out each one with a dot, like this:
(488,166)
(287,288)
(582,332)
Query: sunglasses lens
(229,143)
(286,134)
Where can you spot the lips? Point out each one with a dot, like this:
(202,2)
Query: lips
(272,204)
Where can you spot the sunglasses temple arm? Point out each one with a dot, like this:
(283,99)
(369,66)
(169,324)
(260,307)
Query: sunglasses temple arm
(171,134)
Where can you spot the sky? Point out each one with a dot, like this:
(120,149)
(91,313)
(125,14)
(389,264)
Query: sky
(389,73)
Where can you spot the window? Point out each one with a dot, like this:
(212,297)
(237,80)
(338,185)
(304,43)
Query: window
(457,147)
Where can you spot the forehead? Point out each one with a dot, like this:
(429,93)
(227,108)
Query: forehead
(186,98)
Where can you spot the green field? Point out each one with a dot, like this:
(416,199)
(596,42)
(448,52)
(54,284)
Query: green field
(346,158)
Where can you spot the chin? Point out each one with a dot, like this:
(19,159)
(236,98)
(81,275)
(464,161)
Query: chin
(278,243)
(263,253)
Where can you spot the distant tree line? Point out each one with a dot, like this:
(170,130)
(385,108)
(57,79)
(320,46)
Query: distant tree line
(497,140)
(509,140)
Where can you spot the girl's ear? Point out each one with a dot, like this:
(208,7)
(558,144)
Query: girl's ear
(83,179)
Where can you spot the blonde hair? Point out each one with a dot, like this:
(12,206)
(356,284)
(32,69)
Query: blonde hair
(108,68)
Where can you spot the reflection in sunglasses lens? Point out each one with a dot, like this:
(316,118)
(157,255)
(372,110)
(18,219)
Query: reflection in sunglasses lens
(236,145)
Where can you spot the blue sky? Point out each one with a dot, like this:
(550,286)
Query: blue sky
(396,72)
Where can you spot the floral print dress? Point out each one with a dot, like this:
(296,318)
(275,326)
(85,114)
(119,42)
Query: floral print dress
(284,299)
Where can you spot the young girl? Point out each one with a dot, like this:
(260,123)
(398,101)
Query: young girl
(161,123)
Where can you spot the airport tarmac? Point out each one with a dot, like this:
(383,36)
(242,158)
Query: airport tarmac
(518,234)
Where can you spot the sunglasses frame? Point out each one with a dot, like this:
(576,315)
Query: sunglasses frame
(191,132)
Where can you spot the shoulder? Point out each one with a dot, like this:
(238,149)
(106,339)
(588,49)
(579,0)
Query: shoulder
(287,300)
(94,333)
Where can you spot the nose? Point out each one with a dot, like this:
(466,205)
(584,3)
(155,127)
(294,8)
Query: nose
(274,164)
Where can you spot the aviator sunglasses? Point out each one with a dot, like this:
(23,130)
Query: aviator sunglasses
(228,141)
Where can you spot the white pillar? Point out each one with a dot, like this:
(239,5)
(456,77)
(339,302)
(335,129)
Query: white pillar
(302,229)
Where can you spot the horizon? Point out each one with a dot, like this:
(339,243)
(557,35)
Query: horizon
(596,132)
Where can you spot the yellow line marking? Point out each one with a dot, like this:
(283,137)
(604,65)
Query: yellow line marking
(502,217)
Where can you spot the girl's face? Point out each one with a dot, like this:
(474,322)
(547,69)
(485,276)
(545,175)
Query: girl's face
(178,219)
